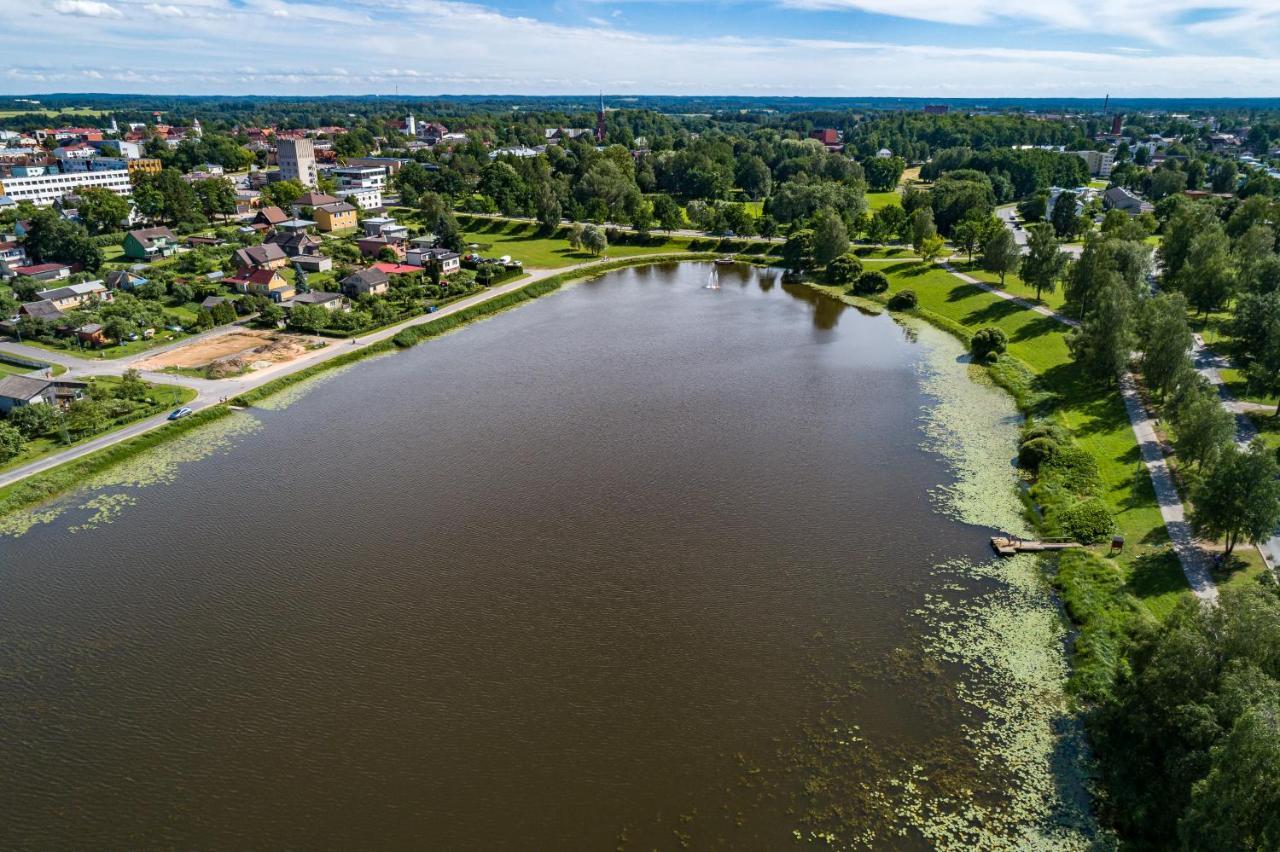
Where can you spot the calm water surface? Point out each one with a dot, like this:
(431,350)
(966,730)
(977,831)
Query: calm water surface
(602,572)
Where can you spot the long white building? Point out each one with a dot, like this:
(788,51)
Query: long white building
(43,190)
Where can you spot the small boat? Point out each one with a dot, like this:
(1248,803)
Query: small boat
(727,260)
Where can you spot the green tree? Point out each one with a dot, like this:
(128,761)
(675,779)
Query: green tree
(215,196)
(282,193)
(1001,253)
(798,250)
(11,442)
(1065,219)
(1165,338)
(309,318)
(1104,339)
(922,227)
(594,240)
(132,387)
(1208,275)
(883,173)
(1202,427)
(1237,805)
(830,239)
(1045,262)
(668,213)
(931,248)
(844,269)
(33,420)
(50,238)
(85,417)
(101,210)
(987,344)
(870,283)
(887,224)
(1239,500)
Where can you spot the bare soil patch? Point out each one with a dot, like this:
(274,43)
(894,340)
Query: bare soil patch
(233,353)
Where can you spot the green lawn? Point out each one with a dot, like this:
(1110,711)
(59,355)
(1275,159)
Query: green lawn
(876,200)
(164,397)
(1095,416)
(1014,284)
(525,243)
(130,347)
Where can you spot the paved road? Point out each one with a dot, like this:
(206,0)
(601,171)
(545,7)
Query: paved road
(1195,565)
(212,391)
(1009,215)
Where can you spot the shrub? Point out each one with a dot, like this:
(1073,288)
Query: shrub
(1074,469)
(870,283)
(1088,522)
(903,300)
(1036,452)
(1042,429)
(844,269)
(988,344)
(11,442)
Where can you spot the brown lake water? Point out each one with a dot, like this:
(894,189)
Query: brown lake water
(639,565)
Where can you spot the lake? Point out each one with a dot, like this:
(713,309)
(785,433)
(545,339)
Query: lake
(639,565)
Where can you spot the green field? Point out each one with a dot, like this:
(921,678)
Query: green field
(526,243)
(876,200)
(15,113)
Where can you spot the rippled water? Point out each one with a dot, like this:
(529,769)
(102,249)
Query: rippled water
(640,565)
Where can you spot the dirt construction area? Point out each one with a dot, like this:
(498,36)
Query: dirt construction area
(233,353)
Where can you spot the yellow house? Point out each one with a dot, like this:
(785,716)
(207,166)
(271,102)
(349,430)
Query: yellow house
(263,282)
(335,217)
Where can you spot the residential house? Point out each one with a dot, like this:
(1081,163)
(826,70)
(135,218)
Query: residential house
(360,177)
(335,217)
(12,255)
(19,391)
(196,240)
(831,139)
(263,282)
(441,259)
(372,281)
(73,296)
(211,302)
(270,216)
(123,279)
(328,301)
(385,226)
(558,135)
(41,310)
(294,243)
(373,246)
(366,198)
(294,225)
(92,334)
(265,256)
(312,199)
(1119,198)
(149,243)
(44,271)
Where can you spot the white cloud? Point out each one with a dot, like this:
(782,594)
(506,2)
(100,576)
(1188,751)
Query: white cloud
(87,9)
(446,46)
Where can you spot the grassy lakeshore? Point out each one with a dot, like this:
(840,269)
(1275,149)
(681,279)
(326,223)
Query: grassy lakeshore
(1038,372)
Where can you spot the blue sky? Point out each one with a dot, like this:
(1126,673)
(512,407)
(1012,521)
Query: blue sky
(922,48)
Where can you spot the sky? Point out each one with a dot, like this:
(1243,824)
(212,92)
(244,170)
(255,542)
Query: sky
(910,48)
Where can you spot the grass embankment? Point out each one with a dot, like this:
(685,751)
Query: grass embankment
(1038,372)
(43,486)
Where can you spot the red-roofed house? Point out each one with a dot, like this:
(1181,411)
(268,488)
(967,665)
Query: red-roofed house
(263,282)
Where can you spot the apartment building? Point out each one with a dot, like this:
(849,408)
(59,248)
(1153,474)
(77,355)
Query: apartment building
(297,160)
(44,189)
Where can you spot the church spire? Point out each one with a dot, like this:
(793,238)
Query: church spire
(600,121)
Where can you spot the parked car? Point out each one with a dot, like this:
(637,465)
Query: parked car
(180,413)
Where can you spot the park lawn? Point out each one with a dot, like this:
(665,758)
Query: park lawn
(1237,386)
(755,208)
(883,252)
(1211,327)
(1014,284)
(877,200)
(524,242)
(1099,184)
(1095,415)
(165,397)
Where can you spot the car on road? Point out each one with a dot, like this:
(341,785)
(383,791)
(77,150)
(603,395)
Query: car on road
(180,413)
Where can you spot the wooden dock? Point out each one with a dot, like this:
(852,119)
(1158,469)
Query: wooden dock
(1009,545)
